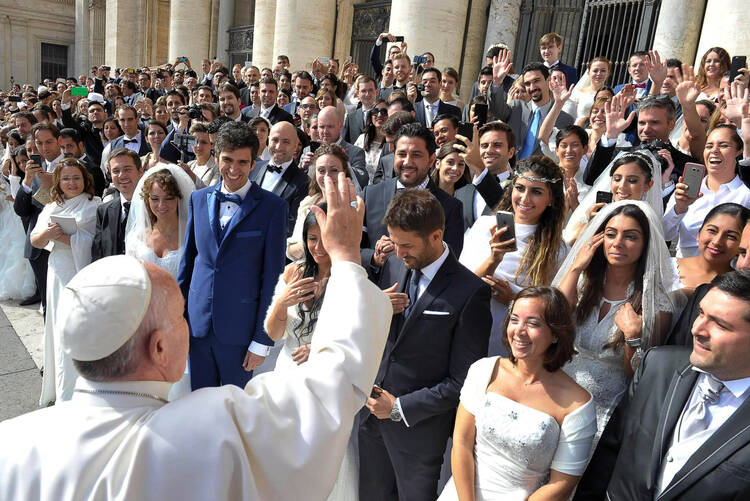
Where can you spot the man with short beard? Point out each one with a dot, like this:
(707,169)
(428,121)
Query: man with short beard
(229,103)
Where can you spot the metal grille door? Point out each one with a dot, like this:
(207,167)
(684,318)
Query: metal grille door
(615,29)
(54,61)
(370,20)
(544,16)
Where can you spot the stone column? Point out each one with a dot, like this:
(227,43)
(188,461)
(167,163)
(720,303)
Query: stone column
(189,30)
(97,31)
(303,31)
(678,28)
(123,47)
(725,25)
(82,59)
(474,49)
(502,24)
(432,26)
(226,21)
(263,33)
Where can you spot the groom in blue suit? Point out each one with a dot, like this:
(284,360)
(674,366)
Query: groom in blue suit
(234,253)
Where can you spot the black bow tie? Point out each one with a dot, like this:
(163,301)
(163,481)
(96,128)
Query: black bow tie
(126,141)
(273,168)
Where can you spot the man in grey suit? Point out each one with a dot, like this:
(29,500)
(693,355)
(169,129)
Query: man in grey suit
(681,431)
(356,120)
(525,118)
(329,132)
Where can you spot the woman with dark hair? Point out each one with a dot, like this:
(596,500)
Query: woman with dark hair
(111,130)
(524,428)
(450,171)
(155,134)
(718,244)
(262,128)
(617,278)
(537,202)
(372,139)
(449,88)
(73,202)
(714,65)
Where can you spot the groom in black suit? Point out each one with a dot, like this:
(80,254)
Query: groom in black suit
(682,432)
(112,216)
(440,326)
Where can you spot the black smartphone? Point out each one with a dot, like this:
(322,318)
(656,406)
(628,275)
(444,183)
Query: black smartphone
(14,99)
(692,176)
(738,62)
(399,39)
(420,87)
(480,111)
(37,159)
(314,145)
(466,129)
(505,219)
(603,197)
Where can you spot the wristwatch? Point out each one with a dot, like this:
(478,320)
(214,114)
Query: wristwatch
(633,343)
(395,413)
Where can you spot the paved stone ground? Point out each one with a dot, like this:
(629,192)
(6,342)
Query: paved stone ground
(21,352)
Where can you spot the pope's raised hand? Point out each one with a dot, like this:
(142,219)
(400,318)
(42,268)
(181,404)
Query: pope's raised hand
(341,226)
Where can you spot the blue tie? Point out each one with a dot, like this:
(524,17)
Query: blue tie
(530,141)
(229,197)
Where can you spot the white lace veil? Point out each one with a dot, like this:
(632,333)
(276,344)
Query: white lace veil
(659,279)
(652,197)
(139,224)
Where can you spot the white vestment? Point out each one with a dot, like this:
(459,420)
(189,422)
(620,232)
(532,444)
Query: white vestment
(282,438)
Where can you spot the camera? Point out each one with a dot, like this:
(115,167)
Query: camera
(419,60)
(420,87)
(654,147)
(195,112)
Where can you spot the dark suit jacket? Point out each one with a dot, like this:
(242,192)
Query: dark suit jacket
(277,115)
(571,74)
(228,281)
(443,109)
(378,196)
(428,354)
(384,170)
(28,209)
(488,188)
(682,332)
(292,188)
(96,172)
(109,228)
(627,461)
(354,125)
(386,92)
(245,96)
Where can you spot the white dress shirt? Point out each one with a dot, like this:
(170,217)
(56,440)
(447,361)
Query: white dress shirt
(226,212)
(50,166)
(479,202)
(428,274)
(718,413)
(135,143)
(686,225)
(271,179)
(264,112)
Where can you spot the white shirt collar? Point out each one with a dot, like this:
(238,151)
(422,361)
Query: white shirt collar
(548,65)
(283,166)
(241,192)
(435,104)
(504,174)
(51,165)
(732,185)
(431,269)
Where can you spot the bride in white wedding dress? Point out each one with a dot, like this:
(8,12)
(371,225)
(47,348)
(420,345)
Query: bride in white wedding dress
(16,277)
(156,228)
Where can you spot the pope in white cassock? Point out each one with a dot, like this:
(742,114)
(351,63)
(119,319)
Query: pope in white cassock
(118,438)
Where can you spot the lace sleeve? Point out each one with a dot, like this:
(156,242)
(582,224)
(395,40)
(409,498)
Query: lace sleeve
(574,445)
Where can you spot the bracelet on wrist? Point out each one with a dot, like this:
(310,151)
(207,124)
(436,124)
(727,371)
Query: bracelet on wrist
(633,342)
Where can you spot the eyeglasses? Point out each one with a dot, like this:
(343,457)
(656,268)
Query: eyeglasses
(379,111)
(308,106)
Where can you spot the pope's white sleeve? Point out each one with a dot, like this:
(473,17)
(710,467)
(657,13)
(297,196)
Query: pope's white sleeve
(309,411)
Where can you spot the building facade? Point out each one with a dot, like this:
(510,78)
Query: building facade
(42,38)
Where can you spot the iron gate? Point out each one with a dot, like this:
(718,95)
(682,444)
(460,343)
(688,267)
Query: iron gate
(370,20)
(590,28)
(616,29)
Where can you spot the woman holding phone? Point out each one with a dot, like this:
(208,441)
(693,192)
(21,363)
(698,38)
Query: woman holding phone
(72,195)
(684,214)
(522,244)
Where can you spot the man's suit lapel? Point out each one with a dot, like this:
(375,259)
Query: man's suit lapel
(248,204)
(286,178)
(113,214)
(677,396)
(732,435)
(438,284)
(256,175)
(212,202)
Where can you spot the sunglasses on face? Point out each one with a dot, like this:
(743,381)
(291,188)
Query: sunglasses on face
(380,111)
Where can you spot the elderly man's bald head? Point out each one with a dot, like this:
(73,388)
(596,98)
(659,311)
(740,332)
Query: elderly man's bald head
(283,143)
(329,125)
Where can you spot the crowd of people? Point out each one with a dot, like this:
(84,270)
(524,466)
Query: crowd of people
(565,262)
